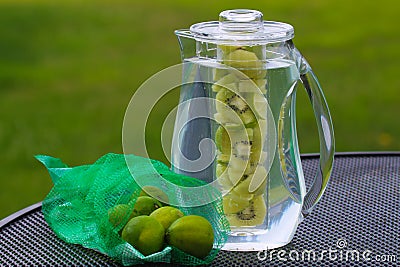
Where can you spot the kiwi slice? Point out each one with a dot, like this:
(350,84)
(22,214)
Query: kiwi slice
(239,166)
(243,154)
(247,62)
(258,105)
(250,183)
(224,182)
(259,131)
(228,101)
(233,137)
(220,169)
(226,49)
(257,155)
(222,177)
(257,179)
(235,175)
(234,203)
(240,58)
(257,158)
(228,81)
(246,153)
(252,215)
(231,100)
(242,188)
(227,117)
(251,86)
(241,142)
(219,73)
(262,84)
(222,140)
(223,158)
(258,50)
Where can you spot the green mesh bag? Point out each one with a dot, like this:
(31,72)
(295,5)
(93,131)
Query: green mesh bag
(77,206)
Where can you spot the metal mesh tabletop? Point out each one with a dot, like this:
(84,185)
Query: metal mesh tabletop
(355,224)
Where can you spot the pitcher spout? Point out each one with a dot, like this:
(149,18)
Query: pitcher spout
(187,43)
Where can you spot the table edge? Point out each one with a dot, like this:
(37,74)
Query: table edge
(354,154)
(14,216)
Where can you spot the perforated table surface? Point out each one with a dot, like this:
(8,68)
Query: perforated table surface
(355,224)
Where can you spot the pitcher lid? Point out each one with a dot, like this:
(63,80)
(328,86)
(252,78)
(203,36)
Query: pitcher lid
(242,26)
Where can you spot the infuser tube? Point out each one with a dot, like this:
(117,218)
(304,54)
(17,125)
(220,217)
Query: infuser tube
(241,115)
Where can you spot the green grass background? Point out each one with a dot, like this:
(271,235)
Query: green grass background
(69,68)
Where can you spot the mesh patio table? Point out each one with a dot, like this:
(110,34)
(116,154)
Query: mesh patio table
(357,223)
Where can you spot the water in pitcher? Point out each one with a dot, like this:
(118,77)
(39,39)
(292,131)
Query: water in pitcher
(225,132)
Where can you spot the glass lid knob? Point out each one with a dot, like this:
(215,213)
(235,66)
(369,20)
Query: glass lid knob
(241,20)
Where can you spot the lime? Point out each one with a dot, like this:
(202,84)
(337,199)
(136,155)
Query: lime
(145,234)
(145,205)
(192,234)
(117,214)
(154,192)
(166,215)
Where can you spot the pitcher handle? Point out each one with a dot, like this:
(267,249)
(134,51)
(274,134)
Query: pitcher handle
(325,132)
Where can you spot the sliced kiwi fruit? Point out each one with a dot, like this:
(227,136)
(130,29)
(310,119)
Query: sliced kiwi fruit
(227,117)
(233,86)
(222,177)
(262,188)
(239,166)
(242,188)
(230,135)
(262,84)
(252,215)
(235,175)
(241,142)
(247,153)
(250,183)
(225,183)
(247,62)
(240,58)
(231,100)
(257,179)
(226,49)
(218,73)
(220,169)
(240,156)
(250,86)
(234,203)
(242,149)
(228,81)
(257,104)
(223,158)
(257,158)
(222,140)
(227,101)
(259,50)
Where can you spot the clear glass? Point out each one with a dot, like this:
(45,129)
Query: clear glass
(236,124)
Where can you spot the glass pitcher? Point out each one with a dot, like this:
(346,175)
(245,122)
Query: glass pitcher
(236,125)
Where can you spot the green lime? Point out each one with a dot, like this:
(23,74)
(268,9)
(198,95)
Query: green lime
(118,213)
(145,234)
(166,215)
(145,205)
(192,234)
(155,192)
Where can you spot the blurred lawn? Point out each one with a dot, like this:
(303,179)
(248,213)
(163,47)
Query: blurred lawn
(69,68)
